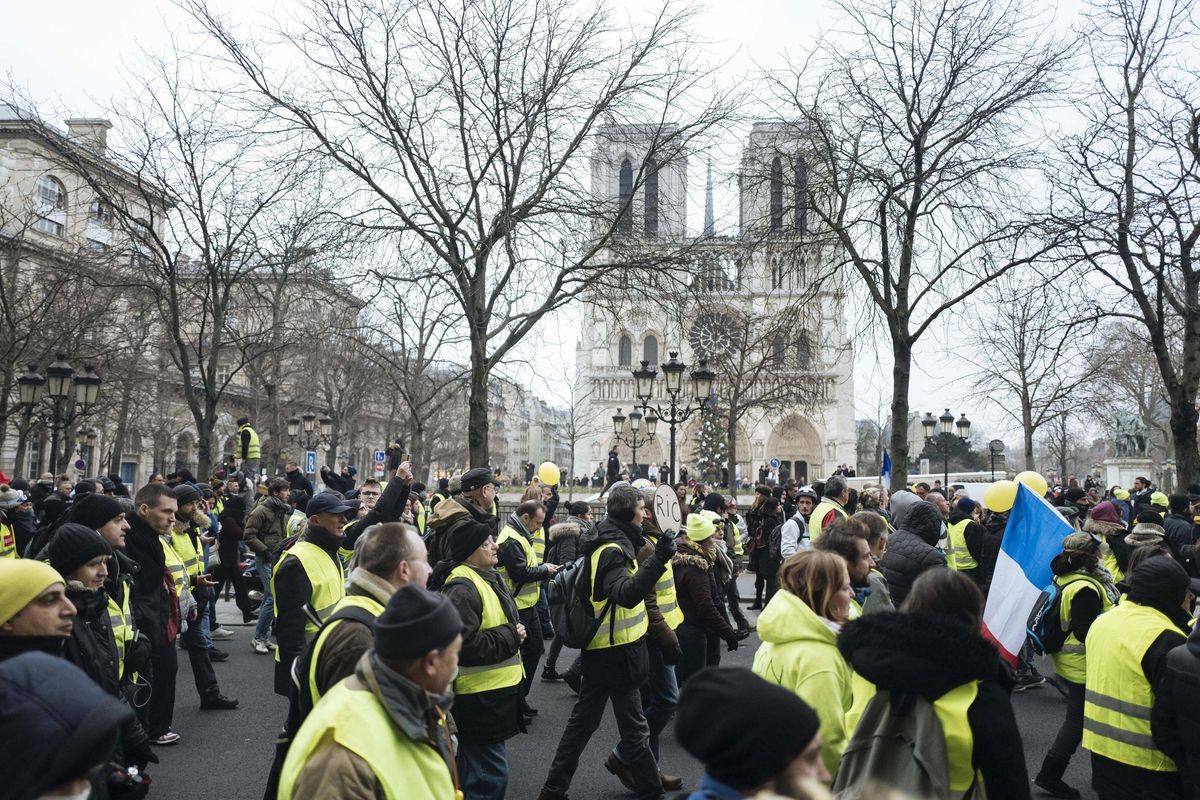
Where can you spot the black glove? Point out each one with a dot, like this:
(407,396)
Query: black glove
(731,643)
(665,548)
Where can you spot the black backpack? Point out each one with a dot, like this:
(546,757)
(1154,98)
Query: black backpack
(570,588)
(1046,634)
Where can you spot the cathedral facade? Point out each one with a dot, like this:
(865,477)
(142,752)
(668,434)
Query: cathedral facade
(770,296)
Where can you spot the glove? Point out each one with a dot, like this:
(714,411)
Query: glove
(732,644)
(671,655)
(665,548)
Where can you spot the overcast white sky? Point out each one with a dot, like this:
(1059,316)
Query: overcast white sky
(74,56)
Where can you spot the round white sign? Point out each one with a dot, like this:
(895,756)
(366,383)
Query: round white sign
(667,510)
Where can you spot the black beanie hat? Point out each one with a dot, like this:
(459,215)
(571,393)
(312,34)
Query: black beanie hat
(465,538)
(714,502)
(185,493)
(1161,582)
(745,730)
(74,545)
(95,510)
(414,622)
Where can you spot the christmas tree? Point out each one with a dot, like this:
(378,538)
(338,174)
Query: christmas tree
(711,444)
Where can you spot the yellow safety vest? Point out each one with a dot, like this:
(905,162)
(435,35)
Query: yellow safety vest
(1110,563)
(8,541)
(218,505)
(253,451)
(818,514)
(1117,703)
(665,596)
(620,625)
(1071,662)
(324,574)
(354,719)
(362,601)
(120,620)
(192,562)
(855,608)
(526,594)
(539,543)
(958,556)
(486,677)
(420,517)
(175,564)
(951,711)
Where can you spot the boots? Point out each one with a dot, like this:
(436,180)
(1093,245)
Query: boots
(1049,778)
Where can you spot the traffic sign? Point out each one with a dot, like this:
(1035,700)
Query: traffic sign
(380,458)
(80,465)
(310,461)
(775,462)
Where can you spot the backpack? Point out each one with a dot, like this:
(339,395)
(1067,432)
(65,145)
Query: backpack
(1046,634)
(570,588)
(899,745)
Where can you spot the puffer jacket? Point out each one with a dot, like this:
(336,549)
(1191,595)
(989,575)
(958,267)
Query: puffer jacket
(266,526)
(563,547)
(928,655)
(799,652)
(913,549)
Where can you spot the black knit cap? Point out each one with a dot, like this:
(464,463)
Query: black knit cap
(465,538)
(414,622)
(185,493)
(714,502)
(95,510)
(745,730)
(74,545)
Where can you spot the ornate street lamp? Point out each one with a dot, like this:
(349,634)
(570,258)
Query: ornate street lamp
(631,435)
(944,439)
(673,413)
(70,396)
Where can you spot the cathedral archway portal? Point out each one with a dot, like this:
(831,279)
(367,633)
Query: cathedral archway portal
(797,445)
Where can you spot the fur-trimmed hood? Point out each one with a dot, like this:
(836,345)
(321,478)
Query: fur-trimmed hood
(564,529)
(688,553)
(919,653)
(1102,528)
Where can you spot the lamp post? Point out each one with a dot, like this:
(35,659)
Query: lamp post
(944,439)
(995,448)
(631,435)
(71,396)
(308,431)
(674,413)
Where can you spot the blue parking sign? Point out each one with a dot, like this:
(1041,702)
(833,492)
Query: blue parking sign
(310,461)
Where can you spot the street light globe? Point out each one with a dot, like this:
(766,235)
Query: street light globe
(58,378)
(702,382)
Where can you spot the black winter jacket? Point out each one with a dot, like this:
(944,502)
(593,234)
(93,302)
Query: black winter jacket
(563,545)
(928,656)
(1175,719)
(912,549)
(1179,532)
(151,600)
(293,590)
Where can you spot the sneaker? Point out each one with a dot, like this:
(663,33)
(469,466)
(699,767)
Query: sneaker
(550,674)
(216,655)
(215,701)
(1028,681)
(573,679)
(1056,787)
(168,738)
(220,634)
(260,647)
(270,645)
(255,595)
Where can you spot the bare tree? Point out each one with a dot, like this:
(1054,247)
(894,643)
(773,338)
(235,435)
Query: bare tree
(1133,181)
(1030,353)
(466,128)
(578,424)
(1125,381)
(921,135)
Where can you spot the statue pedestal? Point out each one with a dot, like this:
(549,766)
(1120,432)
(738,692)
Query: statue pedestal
(1121,471)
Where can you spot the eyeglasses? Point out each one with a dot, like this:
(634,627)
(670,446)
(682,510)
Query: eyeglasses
(369,494)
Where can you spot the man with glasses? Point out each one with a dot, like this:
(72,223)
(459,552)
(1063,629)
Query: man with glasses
(369,496)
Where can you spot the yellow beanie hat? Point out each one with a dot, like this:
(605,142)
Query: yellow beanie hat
(700,525)
(21,580)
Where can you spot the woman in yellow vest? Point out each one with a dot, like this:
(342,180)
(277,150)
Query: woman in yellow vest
(933,648)
(382,732)
(1087,592)
(799,630)
(965,536)
(487,691)
(1127,650)
(1104,520)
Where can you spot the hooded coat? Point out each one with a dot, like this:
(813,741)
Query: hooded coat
(696,589)
(912,549)
(928,656)
(448,512)
(799,652)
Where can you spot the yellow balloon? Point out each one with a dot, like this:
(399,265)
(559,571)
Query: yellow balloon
(1034,481)
(999,497)
(548,473)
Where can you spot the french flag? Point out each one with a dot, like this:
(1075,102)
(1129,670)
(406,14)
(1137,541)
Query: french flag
(1033,537)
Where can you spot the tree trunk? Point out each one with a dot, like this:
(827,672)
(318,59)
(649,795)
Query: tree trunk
(477,410)
(417,445)
(731,445)
(114,464)
(22,448)
(204,445)
(1183,434)
(901,374)
(1027,429)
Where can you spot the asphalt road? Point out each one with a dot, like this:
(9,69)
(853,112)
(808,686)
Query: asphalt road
(226,754)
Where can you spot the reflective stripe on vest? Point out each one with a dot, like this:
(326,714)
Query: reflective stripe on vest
(951,710)
(120,619)
(958,556)
(620,625)
(1071,662)
(8,541)
(819,513)
(486,677)
(362,601)
(175,565)
(253,450)
(187,553)
(324,575)
(539,543)
(1116,708)
(526,594)
(354,719)
(666,598)
(420,517)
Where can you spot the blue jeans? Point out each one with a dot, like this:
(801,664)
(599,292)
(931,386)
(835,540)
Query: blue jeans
(266,612)
(660,695)
(482,770)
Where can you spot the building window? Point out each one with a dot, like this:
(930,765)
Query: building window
(776,194)
(625,197)
(95,246)
(650,349)
(99,212)
(625,351)
(651,204)
(803,351)
(51,194)
(778,351)
(801,196)
(776,273)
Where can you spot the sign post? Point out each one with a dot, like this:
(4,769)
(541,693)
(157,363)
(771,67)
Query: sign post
(380,459)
